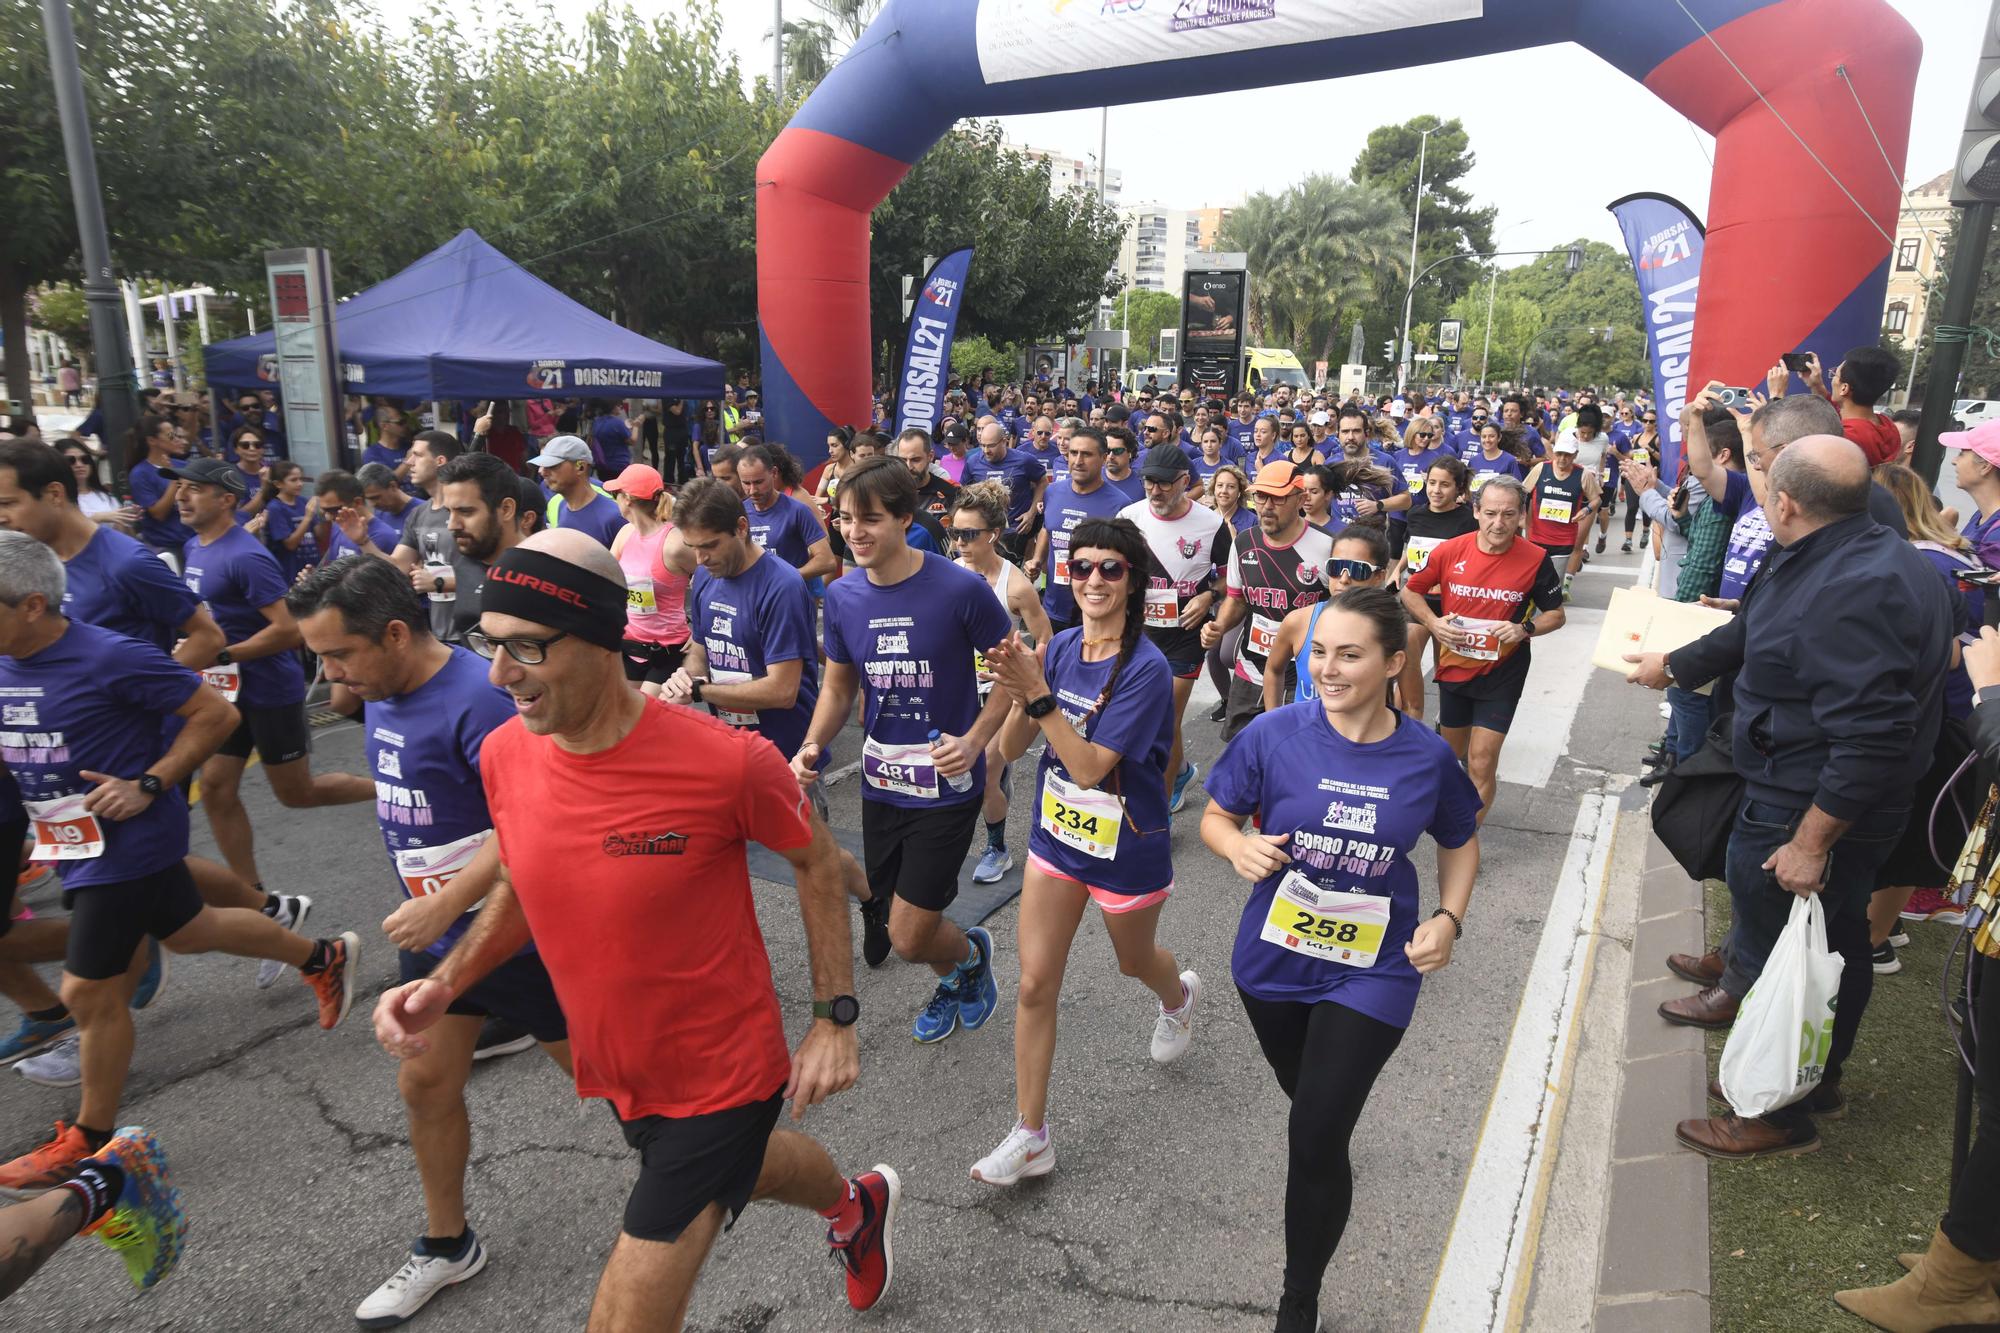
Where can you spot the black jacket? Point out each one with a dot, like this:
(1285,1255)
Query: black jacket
(1841,649)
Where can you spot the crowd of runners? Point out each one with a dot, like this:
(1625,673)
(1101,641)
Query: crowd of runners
(584,695)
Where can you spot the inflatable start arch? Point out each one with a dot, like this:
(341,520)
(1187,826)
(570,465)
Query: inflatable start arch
(1791,261)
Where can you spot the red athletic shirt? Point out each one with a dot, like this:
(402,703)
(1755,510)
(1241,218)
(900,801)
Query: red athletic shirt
(1877,437)
(1479,586)
(630,864)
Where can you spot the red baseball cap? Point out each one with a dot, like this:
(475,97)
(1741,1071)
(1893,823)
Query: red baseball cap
(638,481)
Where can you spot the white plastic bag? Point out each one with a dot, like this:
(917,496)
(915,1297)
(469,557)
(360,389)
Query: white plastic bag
(1776,1052)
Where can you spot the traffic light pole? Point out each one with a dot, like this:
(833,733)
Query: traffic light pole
(116,393)
(1950,335)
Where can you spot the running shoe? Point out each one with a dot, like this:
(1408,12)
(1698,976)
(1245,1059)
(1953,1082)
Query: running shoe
(60,1066)
(1885,961)
(1642,536)
(292,912)
(1627,547)
(154,979)
(36,878)
(1930,905)
(994,862)
(978,991)
(421,1277)
(1022,1154)
(875,930)
(1901,939)
(1172,1032)
(868,1256)
(1567,580)
(939,1018)
(1298,1314)
(1182,781)
(498,1037)
(334,986)
(47,1166)
(1220,711)
(147,1226)
(34,1035)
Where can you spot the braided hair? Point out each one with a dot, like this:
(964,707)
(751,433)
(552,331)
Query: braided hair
(1121,535)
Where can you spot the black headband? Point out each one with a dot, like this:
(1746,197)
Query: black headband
(533,586)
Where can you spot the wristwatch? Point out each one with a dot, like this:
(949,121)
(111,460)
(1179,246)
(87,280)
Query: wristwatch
(437,583)
(223,658)
(841,1010)
(1040,708)
(151,785)
(695,684)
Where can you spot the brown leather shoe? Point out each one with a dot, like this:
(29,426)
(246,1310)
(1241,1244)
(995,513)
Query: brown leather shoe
(1703,971)
(1734,1139)
(1825,1102)
(1711,1008)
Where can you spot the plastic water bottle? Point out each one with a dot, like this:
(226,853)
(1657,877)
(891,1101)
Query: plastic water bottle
(961,783)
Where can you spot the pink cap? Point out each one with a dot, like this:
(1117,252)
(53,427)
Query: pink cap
(1982,440)
(638,481)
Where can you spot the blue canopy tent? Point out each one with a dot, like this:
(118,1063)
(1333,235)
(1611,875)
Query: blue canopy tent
(467,322)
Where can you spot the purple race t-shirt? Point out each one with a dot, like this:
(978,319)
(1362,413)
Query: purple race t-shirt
(236,576)
(97,701)
(1353,813)
(913,644)
(117,584)
(746,623)
(787,530)
(1018,469)
(1062,510)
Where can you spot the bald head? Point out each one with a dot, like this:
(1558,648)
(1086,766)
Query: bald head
(993,438)
(576,548)
(1823,479)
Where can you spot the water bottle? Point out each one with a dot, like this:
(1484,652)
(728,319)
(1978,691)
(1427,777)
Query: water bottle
(963,782)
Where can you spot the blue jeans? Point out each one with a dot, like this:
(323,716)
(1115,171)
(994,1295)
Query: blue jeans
(1687,721)
(1759,909)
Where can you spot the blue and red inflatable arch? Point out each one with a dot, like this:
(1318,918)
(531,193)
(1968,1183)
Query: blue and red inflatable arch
(1791,260)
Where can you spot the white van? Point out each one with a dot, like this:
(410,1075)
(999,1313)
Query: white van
(1976,411)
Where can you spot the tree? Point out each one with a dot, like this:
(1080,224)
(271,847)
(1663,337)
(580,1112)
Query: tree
(1516,320)
(1142,313)
(975,356)
(1601,294)
(1980,376)
(814,46)
(1315,253)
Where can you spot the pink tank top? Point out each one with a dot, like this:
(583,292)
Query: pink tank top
(655,596)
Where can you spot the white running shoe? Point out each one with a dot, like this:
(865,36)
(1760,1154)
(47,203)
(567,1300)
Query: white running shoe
(60,1066)
(421,1277)
(292,916)
(1172,1032)
(1021,1154)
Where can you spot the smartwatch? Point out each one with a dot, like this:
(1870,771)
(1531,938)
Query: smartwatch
(223,658)
(151,785)
(695,685)
(841,1010)
(437,583)
(1040,708)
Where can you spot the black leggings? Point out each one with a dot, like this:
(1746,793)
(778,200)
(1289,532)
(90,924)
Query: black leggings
(1632,516)
(1326,1057)
(1973,1223)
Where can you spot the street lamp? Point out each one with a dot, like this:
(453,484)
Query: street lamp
(1492,288)
(1416,224)
(1570,265)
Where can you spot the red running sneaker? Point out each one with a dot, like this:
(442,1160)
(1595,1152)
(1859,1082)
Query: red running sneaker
(868,1256)
(334,985)
(47,1166)
(1930,905)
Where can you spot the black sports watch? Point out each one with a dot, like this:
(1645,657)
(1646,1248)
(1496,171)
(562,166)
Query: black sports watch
(695,685)
(841,1010)
(151,785)
(223,658)
(1040,708)
(438,583)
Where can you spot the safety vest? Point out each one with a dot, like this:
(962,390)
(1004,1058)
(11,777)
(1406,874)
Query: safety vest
(556,503)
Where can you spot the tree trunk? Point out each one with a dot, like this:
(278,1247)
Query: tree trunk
(14,327)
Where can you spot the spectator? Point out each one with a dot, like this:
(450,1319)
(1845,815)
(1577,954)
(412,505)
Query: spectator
(1859,381)
(1840,652)
(70,381)
(611,436)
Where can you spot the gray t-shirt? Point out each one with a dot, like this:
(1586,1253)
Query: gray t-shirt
(427,531)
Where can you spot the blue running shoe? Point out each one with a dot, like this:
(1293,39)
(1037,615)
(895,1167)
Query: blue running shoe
(148,1225)
(978,993)
(939,1018)
(155,978)
(994,862)
(35,1035)
(1181,782)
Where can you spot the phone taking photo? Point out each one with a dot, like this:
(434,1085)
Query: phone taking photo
(1799,363)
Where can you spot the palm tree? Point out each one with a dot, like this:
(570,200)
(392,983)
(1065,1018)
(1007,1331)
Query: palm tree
(813,46)
(1337,238)
(1254,229)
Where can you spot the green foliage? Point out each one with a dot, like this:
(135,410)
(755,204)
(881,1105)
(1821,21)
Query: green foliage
(1601,294)
(1980,377)
(975,356)
(1450,224)
(1317,255)
(1142,314)
(62,310)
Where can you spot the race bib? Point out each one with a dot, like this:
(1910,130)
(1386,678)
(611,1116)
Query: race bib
(717,676)
(1553,509)
(437,570)
(1415,477)
(1418,552)
(1479,645)
(1334,927)
(426,870)
(64,830)
(1163,608)
(1085,820)
(226,680)
(908,769)
(1059,572)
(639,599)
(1261,636)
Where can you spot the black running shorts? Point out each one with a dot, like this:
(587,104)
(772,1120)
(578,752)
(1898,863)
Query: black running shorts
(279,735)
(688,1162)
(107,921)
(917,854)
(1459,709)
(518,991)
(652,663)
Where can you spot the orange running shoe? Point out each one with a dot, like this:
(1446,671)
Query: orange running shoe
(334,985)
(45,1167)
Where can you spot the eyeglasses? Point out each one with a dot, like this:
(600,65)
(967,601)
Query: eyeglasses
(967,534)
(1650,421)
(1043,434)
(1118,449)
(528,652)
(1112,570)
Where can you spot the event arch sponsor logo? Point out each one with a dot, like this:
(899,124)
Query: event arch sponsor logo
(1193,15)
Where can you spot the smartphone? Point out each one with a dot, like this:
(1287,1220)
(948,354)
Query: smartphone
(1799,363)
(1733,397)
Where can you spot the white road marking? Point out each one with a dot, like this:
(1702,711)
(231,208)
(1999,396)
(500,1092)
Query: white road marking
(1556,681)
(1488,1259)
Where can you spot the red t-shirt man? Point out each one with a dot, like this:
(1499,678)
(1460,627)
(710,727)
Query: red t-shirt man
(1876,436)
(1484,590)
(631,867)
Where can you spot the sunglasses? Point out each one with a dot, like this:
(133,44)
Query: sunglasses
(1651,421)
(1118,449)
(967,534)
(1358,570)
(1112,570)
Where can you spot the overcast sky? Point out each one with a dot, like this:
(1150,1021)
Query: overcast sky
(1558,133)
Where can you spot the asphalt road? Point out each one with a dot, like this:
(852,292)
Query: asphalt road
(1164,1213)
